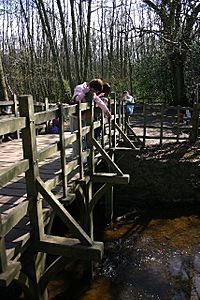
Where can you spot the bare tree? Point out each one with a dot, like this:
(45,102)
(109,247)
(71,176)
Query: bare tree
(69,76)
(3,89)
(177,27)
(46,26)
(87,47)
(74,39)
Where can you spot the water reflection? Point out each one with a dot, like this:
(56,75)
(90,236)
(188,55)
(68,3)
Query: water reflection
(158,259)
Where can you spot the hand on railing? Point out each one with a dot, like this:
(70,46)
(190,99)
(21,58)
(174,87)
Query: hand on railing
(108,114)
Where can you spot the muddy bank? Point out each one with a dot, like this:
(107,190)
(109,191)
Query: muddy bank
(165,175)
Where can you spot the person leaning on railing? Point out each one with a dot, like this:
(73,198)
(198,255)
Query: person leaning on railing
(104,95)
(82,93)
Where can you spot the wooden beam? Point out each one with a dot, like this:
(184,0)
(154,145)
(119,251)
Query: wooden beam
(134,134)
(12,124)
(98,195)
(13,171)
(112,178)
(44,116)
(136,151)
(126,139)
(63,213)
(8,276)
(69,247)
(48,151)
(17,214)
(107,158)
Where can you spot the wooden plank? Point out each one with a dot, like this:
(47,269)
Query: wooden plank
(11,125)
(18,213)
(13,171)
(44,116)
(11,271)
(3,257)
(69,247)
(13,192)
(110,178)
(48,151)
(136,151)
(30,152)
(10,200)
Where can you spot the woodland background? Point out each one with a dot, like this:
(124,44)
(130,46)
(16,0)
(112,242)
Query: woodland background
(151,48)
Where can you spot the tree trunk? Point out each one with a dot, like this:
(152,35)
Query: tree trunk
(3,89)
(87,47)
(46,26)
(63,25)
(177,64)
(74,41)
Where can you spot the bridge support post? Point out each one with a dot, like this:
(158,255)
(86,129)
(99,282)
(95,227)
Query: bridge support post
(33,262)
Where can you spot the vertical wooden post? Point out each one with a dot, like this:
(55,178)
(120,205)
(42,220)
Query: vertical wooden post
(145,122)
(120,116)
(114,121)
(110,127)
(89,265)
(30,152)
(102,129)
(178,123)
(89,226)
(91,137)
(109,202)
(161,123)
(123,117)
(197,92)
(62,149)
(80,139)
(195,123)
(16,112)
(33,262)
(3,258)
(46,107)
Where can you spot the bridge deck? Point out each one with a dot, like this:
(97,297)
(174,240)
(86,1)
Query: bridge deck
(12,194)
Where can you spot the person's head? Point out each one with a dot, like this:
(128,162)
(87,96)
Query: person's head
(125,93)
(106,89)
(96,85)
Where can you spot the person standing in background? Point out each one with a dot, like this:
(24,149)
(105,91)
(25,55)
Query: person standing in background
(129,105)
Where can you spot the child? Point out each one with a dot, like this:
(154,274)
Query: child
(129,104)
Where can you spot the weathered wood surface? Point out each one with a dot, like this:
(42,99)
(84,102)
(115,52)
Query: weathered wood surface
(13,194)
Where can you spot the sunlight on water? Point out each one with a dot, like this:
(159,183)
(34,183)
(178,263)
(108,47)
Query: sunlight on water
(159,260)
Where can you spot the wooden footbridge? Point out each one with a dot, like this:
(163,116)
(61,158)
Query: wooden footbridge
(39,179)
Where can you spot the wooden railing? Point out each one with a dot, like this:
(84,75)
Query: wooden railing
(74,180)
(163,123)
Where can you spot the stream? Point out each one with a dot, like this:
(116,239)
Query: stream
(148,255)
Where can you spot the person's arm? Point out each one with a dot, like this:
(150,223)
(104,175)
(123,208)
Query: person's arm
(79,93)
(102,105)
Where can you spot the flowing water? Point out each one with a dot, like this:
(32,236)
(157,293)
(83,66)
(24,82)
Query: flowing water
(147,256)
